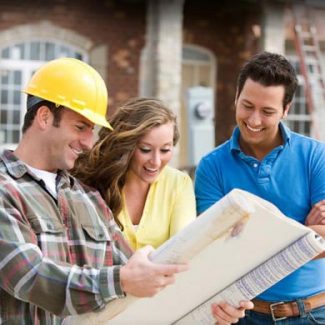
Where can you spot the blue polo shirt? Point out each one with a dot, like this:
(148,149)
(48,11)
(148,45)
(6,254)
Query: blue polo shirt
(291,176)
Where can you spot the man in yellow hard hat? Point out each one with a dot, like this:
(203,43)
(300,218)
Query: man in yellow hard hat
(61,251)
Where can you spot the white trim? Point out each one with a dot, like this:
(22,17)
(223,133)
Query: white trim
(42,32)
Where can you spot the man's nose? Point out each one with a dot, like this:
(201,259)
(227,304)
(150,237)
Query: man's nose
(87,140)
(255,118)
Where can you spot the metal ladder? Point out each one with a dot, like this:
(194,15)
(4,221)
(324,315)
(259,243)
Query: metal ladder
(308,50)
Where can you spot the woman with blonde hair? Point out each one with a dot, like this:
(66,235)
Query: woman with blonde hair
(150,200)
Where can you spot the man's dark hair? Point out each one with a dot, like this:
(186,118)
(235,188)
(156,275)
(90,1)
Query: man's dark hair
(32,110)
(269,69)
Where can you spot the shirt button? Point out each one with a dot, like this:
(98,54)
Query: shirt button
(255,165)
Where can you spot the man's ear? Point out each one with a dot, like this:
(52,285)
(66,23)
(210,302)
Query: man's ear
(236,97)
(44,117)
(286,110)
(236,100)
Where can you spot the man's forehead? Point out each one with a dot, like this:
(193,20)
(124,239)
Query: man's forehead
(74,116)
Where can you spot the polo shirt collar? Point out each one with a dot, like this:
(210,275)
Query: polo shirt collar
(234,140)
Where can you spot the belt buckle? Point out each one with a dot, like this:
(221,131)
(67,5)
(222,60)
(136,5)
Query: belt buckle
(275,319)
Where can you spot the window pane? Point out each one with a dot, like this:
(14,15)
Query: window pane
(204,75)
(49,51)
(16,117)
(4,96)
(5,53)
(15,137)
(195,54)
(3,117)
(17,97)
(35,50)
(4,77)
(63,51)
(17,78)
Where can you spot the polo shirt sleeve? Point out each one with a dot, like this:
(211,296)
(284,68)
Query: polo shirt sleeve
(207,184)
(318,174)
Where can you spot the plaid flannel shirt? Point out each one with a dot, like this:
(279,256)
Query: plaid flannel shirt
(58,256)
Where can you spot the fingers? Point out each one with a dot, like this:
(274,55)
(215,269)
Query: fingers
(226,314)
(170,269)
(146,250)
(143,278)
(246,304)
(317,214)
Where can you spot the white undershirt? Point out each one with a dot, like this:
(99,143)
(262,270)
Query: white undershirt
(48,178)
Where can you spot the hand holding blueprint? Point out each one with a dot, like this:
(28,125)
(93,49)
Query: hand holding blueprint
(218,271)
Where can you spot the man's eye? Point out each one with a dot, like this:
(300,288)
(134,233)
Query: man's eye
(267,113)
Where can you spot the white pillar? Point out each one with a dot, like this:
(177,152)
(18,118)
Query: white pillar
(273,27)
(162,57)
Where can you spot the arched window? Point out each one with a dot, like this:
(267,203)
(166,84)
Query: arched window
(17,63)
(299,118)
(199,68)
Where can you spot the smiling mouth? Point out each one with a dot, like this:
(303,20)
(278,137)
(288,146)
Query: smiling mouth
(254,129)
(151,170)
(77,152)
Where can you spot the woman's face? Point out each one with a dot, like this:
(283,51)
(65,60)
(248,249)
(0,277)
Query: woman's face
(153,151)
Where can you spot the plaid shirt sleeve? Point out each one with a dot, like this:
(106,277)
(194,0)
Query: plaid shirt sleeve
(43,262)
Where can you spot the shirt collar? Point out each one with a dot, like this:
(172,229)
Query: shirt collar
(234,140)
(286,133)
(17,168)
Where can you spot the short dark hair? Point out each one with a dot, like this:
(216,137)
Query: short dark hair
(269,69)
(32,110)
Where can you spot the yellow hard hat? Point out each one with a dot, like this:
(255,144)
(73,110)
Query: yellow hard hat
(74,84)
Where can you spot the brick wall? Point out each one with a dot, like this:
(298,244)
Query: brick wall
(225,28)
(119,25)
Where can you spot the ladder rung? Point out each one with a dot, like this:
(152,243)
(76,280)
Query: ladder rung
(309,48)
(306,35)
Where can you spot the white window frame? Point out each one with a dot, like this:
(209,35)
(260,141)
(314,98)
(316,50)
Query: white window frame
(27,68)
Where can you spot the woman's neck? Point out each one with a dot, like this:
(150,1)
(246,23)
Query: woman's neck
(135,194)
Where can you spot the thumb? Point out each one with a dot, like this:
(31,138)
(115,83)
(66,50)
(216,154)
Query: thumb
(146,250)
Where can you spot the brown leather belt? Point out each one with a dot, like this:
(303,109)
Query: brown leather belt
(282,310)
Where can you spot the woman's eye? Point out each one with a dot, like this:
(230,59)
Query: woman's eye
(165,150)
(144,150)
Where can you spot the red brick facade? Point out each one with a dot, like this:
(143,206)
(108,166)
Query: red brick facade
(120,26)
(226,30)
(223,28)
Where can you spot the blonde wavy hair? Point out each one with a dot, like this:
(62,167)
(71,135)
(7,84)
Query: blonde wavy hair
(105,166)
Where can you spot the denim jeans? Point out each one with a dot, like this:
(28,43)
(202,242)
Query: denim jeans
(316,316)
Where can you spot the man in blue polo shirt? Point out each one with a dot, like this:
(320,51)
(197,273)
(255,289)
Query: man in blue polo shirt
(267,159)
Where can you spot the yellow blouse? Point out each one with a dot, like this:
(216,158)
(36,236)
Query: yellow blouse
(169,207)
